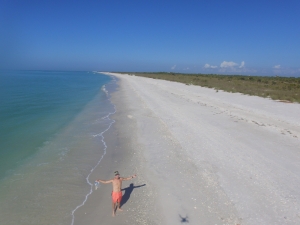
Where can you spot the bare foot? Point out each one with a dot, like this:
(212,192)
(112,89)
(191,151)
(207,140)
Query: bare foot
(113,214)
(120,209)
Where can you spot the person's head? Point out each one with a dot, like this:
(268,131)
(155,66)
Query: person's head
(117,175)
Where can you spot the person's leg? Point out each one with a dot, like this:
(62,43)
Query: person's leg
(114,208)
(119,201)
(119,205)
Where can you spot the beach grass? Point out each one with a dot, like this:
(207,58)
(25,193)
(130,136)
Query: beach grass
(286,89)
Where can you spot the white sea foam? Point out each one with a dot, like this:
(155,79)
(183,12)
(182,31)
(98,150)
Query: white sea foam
(104,90)
(45,179)
(107,117)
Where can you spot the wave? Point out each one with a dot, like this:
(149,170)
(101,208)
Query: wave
(107,117)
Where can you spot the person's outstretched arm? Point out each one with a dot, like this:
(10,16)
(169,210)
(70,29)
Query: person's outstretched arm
(105,181)
(129,178)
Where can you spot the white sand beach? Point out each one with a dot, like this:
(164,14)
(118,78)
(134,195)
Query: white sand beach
(203,157)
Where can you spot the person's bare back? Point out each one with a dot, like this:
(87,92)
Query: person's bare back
(116,190)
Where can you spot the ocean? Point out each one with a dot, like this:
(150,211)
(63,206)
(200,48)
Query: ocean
(51,126)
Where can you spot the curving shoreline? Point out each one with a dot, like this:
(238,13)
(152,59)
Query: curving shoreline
(101,158)
(204,157)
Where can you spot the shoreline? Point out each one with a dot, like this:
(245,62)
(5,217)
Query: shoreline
(47,186)
(204,157)
(122,155)
(101,134)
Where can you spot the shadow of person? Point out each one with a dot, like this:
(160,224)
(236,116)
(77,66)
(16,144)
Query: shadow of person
(128,192)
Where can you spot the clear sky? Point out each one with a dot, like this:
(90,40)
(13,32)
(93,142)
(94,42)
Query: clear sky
(192,36)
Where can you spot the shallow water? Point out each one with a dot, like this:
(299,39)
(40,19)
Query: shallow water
(62,144)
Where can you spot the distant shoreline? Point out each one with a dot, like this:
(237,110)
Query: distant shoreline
(208,74)
(284,89)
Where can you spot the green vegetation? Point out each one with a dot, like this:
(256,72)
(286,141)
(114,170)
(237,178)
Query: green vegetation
(277,88)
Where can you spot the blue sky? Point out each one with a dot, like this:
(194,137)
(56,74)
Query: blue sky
(216,36)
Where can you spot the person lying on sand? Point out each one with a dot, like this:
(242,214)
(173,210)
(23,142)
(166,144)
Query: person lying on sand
(116,192)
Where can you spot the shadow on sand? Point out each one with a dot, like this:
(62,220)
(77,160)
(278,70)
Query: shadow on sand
(184,219)
(128,192)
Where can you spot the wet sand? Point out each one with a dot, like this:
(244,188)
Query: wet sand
(205,157)
(123,154)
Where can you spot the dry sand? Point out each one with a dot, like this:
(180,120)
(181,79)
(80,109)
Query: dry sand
(205,157)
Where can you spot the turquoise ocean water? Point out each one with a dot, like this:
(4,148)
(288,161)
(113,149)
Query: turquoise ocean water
(49,141)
